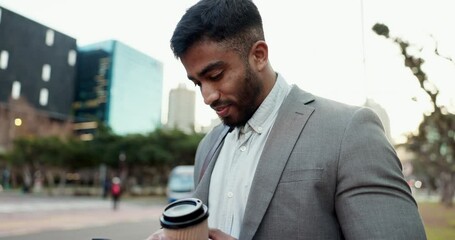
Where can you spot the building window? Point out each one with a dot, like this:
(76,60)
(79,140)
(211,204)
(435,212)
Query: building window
(16,90)
(4,59)
(72,57)
(46,73)
(43,96)
(49,37)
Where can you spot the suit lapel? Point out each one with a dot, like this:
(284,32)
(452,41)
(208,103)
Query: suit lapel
(288,126)
(202,189)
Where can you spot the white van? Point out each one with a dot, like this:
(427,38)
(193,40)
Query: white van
(180,184)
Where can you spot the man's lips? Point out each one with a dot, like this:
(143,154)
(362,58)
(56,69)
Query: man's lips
(222,111)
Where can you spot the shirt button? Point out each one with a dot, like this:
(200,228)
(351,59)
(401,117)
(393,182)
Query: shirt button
(230,194)
(242,148)
(259,129)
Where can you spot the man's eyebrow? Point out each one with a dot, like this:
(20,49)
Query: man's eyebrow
(208,68)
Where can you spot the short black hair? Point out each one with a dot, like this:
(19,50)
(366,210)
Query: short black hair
(236,23)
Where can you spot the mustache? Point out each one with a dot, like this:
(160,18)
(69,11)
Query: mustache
(220,103)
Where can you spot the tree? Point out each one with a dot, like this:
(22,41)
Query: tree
(434,143)
(151,155)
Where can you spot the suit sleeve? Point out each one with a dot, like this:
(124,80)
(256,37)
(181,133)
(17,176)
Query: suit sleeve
(373,201)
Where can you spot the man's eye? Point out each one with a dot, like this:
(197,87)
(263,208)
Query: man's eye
(215,77)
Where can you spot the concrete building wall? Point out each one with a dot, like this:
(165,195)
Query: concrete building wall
(181,113)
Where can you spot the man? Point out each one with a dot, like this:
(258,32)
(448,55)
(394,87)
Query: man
(292,165)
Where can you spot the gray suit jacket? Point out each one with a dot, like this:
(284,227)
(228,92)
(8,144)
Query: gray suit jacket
(327,172)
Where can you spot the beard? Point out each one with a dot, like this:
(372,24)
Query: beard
(246,101)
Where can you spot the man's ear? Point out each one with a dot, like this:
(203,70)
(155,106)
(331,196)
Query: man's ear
(259,55)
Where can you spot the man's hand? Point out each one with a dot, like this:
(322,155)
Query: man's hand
(158,235)
(216,234)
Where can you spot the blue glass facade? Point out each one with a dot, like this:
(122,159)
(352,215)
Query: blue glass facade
(126,88)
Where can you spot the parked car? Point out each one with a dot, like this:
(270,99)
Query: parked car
(180,184)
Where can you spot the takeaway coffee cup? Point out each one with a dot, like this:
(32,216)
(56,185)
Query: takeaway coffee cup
(185,219)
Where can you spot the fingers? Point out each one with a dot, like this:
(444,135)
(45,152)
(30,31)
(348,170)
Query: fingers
(216,234)
(158,235)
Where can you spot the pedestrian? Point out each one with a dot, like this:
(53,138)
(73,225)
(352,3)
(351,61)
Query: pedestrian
(116,192)
(27,181)
(284,163)
(5,178)
(106,187)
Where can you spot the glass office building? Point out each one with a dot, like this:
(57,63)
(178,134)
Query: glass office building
(119,86)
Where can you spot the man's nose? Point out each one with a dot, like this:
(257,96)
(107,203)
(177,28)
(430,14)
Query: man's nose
(210,93)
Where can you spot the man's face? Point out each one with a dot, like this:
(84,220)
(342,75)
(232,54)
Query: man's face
(226,81)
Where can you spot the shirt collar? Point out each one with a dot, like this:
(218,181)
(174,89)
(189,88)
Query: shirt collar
(271,104)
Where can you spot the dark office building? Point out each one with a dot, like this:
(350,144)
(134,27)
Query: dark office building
(90,105)
(92,86)
(37,70)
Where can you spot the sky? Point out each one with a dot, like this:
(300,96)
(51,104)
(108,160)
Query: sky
(325,47)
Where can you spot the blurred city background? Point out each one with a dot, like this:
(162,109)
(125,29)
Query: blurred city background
(90,90)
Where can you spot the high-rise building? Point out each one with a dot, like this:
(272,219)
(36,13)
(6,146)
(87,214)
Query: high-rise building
(119,86)
(383,116)
(181,113)
(37,73)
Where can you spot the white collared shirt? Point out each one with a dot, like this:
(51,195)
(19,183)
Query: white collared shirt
(234,170)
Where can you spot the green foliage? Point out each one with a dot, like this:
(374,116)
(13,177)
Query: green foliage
(381,29)
(49,151)
(157,149)
(3,158)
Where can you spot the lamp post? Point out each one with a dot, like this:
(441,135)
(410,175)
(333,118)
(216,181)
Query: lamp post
(122,166)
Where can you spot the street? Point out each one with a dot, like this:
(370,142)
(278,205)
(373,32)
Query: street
(26,217)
